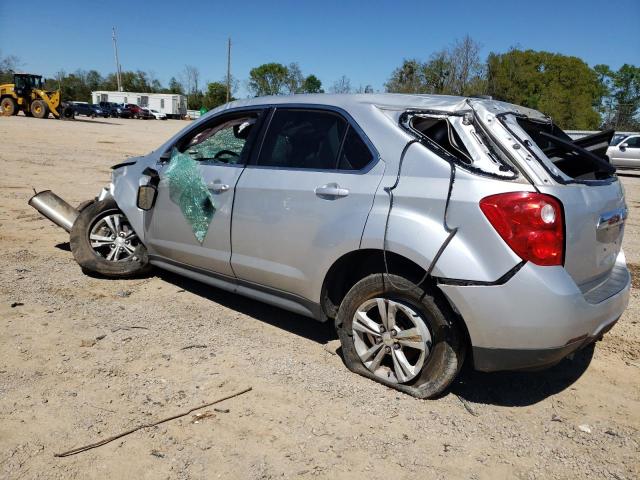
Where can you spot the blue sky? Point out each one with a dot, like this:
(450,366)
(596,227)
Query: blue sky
(363,40)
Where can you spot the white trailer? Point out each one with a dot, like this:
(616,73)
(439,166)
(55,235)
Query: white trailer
(172,105)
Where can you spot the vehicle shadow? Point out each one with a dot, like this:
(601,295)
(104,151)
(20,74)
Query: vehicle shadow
(519,389)
(291,322)
(64,246)
(511,389)
(90,120)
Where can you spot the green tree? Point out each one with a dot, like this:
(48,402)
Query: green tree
(175,86)
(216,95)
(621,96)
(437,73)
(268,79)
(456,70)
(312,84)
(407,78)
(560,86)
(8,65)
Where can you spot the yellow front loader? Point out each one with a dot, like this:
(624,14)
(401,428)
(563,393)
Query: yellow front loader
(26,94)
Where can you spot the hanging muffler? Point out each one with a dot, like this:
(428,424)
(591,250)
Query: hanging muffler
(54,208)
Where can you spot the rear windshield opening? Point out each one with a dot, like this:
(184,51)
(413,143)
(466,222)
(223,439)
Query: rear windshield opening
(441,132)
(583,159)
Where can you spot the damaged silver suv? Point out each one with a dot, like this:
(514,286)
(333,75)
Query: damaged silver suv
(430,229)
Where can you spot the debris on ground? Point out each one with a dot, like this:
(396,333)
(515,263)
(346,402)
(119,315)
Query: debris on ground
(584,428)
(198,417)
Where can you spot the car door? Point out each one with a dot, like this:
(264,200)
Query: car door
(177,230)
(303,201)
(627,153)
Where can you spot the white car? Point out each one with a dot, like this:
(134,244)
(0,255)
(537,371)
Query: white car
(158,115)
(624,151)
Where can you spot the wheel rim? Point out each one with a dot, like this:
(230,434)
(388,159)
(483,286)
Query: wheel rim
(391,339)
(113,239)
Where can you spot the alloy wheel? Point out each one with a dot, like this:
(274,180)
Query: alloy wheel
(112,238)
(391,339)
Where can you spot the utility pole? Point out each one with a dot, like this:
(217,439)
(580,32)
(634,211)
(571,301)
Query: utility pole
(229,70)
(115,50)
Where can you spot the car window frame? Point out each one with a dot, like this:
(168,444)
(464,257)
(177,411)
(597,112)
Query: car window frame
(350,123)
(626,140)
(227,115)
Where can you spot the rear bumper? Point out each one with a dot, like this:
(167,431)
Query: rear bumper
(538,317)
(497,359)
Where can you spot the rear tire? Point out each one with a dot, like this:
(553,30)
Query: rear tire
(98,239)
(419,353)
(39,109)
(8,106)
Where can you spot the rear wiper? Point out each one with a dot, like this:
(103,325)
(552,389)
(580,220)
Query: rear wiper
(597,162)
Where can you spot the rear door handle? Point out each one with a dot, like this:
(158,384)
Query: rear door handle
(331,191)
(217,187)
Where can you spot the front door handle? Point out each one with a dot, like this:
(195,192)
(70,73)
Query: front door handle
(217,187)
(331,191)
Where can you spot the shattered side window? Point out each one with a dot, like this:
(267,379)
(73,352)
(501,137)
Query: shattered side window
(188,190)
(224,143)
(458,138)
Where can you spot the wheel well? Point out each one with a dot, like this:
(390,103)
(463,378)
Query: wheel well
(354,266)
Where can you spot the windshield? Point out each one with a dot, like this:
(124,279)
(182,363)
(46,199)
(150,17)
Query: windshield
(616,139)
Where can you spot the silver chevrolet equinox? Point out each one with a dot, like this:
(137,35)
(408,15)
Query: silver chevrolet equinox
(430,229)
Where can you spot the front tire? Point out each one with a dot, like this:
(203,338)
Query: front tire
(39,109)
(401,335)
(8,106)
(103,242)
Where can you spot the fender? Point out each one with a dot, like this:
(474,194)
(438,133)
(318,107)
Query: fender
(416,226)
(125,181)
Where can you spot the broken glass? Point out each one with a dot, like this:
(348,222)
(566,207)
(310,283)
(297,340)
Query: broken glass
(188,190)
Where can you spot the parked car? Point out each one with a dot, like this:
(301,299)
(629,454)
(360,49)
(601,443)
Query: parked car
(624,152)
(138,111)
(88,110)
(123,111)
(432,230)
(110,108)
(157,115)
(145,114)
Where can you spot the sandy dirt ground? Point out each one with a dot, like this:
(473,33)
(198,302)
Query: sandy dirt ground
(85,358)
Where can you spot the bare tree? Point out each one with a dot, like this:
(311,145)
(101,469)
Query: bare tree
(342,85)
(190,78)
(465,66)
(294,80)
(366,89)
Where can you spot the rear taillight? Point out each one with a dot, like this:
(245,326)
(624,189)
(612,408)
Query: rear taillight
(530,223)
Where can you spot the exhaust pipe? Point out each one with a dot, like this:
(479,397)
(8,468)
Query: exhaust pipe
(54,208)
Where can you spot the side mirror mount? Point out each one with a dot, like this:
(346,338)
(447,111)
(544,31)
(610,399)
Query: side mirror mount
(166,156)
(146,197)
(623,146)
(147,194)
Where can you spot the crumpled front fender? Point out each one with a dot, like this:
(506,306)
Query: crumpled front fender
(124,189)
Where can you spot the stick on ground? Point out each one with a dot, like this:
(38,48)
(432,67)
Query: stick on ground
(146,425)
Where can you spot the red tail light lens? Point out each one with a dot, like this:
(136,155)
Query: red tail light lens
(530,223)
